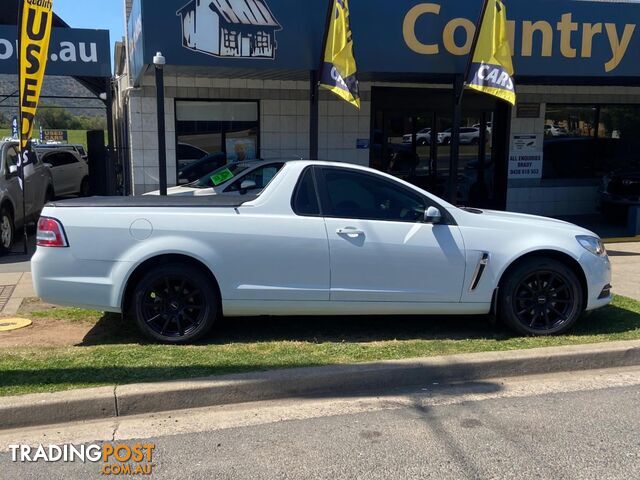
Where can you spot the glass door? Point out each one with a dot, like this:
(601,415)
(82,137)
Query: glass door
(407,146)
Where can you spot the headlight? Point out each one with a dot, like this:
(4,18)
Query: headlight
(593,244)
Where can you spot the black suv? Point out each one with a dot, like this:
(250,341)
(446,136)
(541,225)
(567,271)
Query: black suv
(620,190)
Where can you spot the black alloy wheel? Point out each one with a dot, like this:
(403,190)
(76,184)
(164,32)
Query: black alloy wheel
(541,297)
(175,304)
(7,230)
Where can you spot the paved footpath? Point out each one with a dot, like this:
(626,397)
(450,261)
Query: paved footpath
(625,258)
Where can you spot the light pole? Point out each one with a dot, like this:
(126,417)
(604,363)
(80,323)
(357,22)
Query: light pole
(159,62)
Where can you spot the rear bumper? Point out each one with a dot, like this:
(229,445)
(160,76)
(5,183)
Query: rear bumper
(62,279)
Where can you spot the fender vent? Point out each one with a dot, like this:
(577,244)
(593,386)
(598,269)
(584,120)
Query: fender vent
(477,276)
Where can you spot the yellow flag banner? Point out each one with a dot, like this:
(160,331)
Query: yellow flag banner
(492,67)
(35,34)
(338,72)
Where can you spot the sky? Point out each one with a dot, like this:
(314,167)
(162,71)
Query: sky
(99,14)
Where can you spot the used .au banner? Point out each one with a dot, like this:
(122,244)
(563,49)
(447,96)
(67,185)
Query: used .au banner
(35,34)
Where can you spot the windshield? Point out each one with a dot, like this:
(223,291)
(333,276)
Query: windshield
(230,171)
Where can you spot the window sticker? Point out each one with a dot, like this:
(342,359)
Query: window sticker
(224,176)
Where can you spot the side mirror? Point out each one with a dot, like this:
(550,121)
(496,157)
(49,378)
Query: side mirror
(433,215)
(247,185)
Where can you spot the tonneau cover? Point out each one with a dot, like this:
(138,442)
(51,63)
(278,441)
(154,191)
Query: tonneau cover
(155,201)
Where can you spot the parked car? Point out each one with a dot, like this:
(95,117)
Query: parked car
(240,178)
(187,154)
(39,190)
(79,149)
(489,127)
(555,131)
(468,136)
(321,239)
(70,172)
(423,137)
(620,191)
(196,170)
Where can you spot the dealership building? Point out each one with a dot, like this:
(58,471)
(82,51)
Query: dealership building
(239,84)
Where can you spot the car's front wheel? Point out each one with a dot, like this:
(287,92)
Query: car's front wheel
(540,296)
(175,303)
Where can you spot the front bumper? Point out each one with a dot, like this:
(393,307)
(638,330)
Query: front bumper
(598,274)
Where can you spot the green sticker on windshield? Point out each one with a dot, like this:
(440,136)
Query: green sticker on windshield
(224,176)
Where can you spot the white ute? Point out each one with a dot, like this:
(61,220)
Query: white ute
(321,239)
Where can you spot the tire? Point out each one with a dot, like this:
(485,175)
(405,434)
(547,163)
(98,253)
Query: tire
(540,297)
(175,304)
(85,187)
(7,230)
(475,141)
(422,142)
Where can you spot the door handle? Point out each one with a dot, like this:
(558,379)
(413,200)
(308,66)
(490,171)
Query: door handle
(350,232)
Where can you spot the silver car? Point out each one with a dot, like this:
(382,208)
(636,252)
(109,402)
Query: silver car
(39,190)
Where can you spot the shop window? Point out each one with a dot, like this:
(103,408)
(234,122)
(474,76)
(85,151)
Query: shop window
(212,133)
(590,141)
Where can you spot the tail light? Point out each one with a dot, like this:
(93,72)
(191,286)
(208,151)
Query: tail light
(51,233)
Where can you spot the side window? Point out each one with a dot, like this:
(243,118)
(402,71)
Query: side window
(52,159)
(260,176)
(11,157)
(68,158)
(351,194)
(305,199)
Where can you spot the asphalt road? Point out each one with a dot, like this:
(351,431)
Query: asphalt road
(573,426)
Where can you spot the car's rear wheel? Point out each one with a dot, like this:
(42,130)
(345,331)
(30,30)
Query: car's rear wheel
(541,296)
(7,230)
(175,303)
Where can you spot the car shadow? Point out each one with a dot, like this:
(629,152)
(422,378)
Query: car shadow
(113,329)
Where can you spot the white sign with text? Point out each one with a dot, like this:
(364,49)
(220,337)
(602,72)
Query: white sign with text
(526,157)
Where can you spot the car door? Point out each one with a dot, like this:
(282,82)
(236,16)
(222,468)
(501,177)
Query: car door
(12,180)
(39,184)
(58,167)
(281,256)
(75,169)
(381,249)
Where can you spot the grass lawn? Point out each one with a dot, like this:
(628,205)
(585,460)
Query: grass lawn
(118,356)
